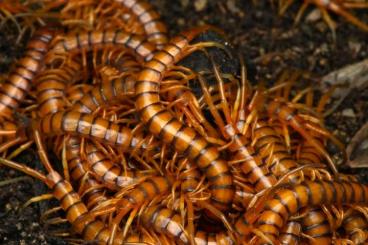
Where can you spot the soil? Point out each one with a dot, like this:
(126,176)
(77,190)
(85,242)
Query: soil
(270,44)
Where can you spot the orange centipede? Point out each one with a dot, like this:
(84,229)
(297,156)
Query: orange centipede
(107,172)
(161,122)
(355,226)
(271,147)
(288,201)
(254,169)
(166,221)
(89,126)
(316,226)
(87,41)
(290,233)
(77,213)
(19,82)
(148,17)
(93,192)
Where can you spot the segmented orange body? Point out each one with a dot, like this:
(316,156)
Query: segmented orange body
(19,82)
(162,123)
(287,202)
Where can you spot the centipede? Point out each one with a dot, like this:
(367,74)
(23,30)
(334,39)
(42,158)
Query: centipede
(139,146)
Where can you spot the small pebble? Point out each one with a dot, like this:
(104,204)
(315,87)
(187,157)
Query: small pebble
(348,113)
(200,5)
(19,226)
(313,16)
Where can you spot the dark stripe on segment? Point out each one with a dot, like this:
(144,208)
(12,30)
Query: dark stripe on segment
(177,236)
(94,119)
(78,40)
(66,195)
(334,191)
(168,219)
(20,65)
(189,149)
(168,53)
(51,127)
(271,221)
(150,8)
(153,217)
(99,233)
(211,164)
(176,136)
(13,98)
(154,116)
(183,36)
(143,191)
(296,196)
(148,105)
(277,197)
(107,172)
(89,38)
(265,176)
(153,83)
(309,193)
(222,203)
(126,44)
(81,121)
(116,34)
(251,171)
(221,187)
(351,191)
(139,45)
(21,76)
(323,191)
(159,61)
(223,174)
(154,70)
(108,128)
(163,130)
(63,118)
(175,46)
(154,184)
(344,196)
(56,184)
(87,226)
(56,98)
(202,152)
(296,237)
(307,228)
(363,197)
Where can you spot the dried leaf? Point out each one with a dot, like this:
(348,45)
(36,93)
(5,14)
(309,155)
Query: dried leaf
(352,76)
(357,149)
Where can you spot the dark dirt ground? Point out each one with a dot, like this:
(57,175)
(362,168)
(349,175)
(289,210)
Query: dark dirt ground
(269,43)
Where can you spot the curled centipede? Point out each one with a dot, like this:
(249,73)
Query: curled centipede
(155,152)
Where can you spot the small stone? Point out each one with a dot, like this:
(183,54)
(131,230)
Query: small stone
(181,22)
(184,3)
(313,16)
(348,113)
(200,5)
(355,46)
(19,226)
